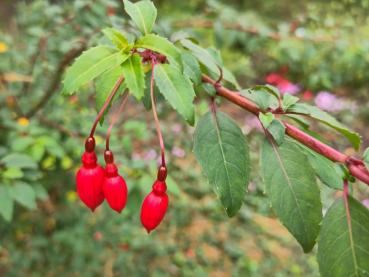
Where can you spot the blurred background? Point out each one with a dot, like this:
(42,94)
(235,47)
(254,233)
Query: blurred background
(317,50)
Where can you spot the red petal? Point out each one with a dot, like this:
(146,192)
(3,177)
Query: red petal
(89,181)
(89,186)
(153,210)
(115,191)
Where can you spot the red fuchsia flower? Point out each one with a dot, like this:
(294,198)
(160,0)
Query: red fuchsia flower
(154,206)
(307,95)
(114,186)
(90,177)
(273,78)
(284,85)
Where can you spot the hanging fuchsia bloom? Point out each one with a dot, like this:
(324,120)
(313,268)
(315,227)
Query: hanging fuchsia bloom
(114,186)
(89,177)
(156,202)
(154,206)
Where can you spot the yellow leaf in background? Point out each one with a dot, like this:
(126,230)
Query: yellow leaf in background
(3,47)
(66,162)
(71,196)
(99,139)
(12,77)
(23,121)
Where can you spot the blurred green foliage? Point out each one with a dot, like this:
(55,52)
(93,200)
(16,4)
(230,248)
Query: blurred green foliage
(45,230)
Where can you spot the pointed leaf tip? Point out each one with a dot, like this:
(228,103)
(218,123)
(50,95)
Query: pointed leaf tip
(223,153)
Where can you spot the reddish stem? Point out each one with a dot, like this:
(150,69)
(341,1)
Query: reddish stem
(345,189)
(345,196)
(315,144)
(356,170)
(153,104)
(114,120)
(106,104)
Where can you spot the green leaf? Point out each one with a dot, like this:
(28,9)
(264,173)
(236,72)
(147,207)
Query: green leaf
(134,76)
(6,203)
(19,161)
(143,14)
(227,75)
(163,46)
(37,151)
(202,55)
(191,67)
(300,120)
(116,37)
(288,100)
(20,144)
(104,85)
(24,195)
(277,130)
(177,89)
(269,89)
(266,119)
(51,145)
(89,65)
(209,89)
(327,171)
(291,186)
(329,120)
(343,246)
(173,187)
(260,97)
(223,153)
(209,61)
(41,192)
(146,100)
(13,173)
(366,157)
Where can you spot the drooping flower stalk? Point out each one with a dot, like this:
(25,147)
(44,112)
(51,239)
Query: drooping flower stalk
(155,114)
(114,120)
(156,202)
(106,104)
(114,186)
(90,176)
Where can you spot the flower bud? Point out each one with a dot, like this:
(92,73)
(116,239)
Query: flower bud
(89,181)
(115,188)
(154,206)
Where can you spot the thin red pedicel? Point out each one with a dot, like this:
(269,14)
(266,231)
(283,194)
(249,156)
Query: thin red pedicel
(90,176)
(114,185)
(155,204)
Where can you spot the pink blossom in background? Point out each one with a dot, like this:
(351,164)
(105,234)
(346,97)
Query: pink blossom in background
(150,155)
(284,85)
(365,202)
(176,128)
(288,87)
(251,122)
(178,152)
(329,102)
(136,156)
(147,156)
